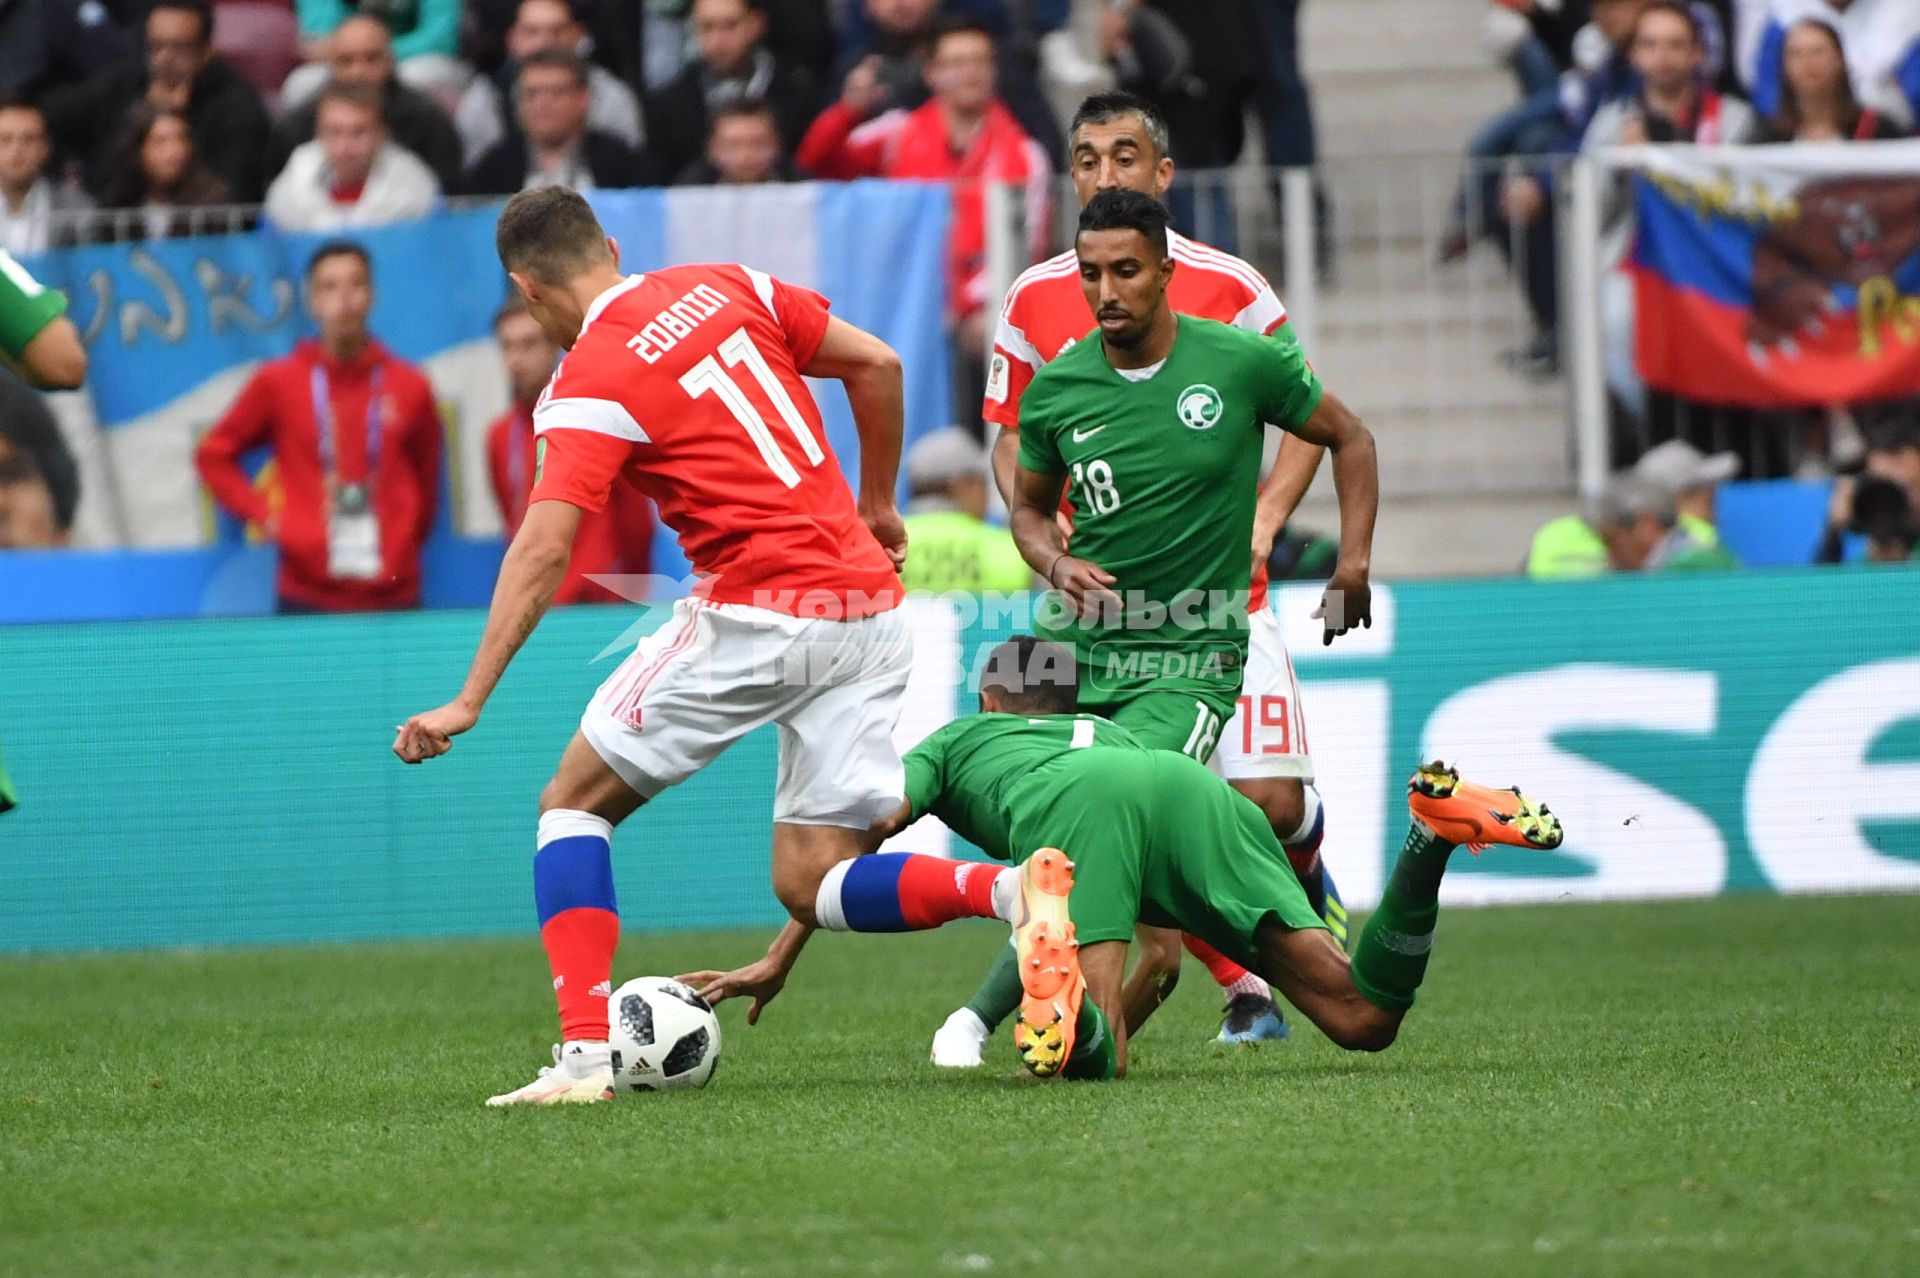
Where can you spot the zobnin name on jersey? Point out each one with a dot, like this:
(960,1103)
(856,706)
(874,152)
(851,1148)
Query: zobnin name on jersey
(664,331)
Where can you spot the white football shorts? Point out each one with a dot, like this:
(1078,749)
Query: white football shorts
(715,672)
(1267,736)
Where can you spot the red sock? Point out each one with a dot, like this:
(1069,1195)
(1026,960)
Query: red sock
(934,890)
(1223,969)
(580,944)
(900,892)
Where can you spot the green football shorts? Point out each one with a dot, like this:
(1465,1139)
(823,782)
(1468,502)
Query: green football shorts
(1186,723)
(1156,838)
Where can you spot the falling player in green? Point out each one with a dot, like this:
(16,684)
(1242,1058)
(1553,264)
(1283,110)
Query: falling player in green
(1157,427)
(1109,833)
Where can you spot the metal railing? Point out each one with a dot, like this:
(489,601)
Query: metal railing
(123,226)
(1419,346)
(1436,352)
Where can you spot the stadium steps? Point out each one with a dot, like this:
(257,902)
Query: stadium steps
(1474,456)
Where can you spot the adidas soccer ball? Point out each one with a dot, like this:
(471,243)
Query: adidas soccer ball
(663,1035)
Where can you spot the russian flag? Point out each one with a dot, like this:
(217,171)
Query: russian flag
(1779,276)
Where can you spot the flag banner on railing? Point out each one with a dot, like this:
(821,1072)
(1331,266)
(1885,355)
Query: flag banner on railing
(174,328)
(1778,276)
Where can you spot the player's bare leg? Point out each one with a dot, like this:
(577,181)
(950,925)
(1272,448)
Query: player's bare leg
(1293,811)
(802,855)
(1316,976)
(1155,974)
(583,782)
(579,922)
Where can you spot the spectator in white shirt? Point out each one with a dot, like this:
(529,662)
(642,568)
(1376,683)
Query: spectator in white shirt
(35,214)
(352,173)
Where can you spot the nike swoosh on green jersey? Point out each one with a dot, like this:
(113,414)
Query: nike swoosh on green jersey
(1081,437)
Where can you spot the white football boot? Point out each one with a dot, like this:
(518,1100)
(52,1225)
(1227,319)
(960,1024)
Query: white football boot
(581,1074)
(961,1041)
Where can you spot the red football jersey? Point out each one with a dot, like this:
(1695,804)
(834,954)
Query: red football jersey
(1045,312)
(688,380)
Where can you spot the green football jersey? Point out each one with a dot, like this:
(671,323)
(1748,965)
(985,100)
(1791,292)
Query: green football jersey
(970,773)
(26,307)
(1163,472)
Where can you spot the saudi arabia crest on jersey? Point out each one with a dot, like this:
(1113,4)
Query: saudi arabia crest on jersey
(1200,407)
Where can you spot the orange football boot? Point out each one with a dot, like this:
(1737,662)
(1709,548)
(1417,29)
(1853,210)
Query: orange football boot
(1050,981)
(1464,813)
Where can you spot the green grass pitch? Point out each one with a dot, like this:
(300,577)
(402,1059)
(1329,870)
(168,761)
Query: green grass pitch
(1707,1088)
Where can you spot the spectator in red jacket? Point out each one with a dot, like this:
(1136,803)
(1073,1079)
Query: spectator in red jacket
(618,539)
(964,134)
(355,439)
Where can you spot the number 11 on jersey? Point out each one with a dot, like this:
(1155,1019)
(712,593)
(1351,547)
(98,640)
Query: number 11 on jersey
(707,377)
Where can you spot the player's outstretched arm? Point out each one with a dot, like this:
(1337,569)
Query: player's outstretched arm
(876,389)
(1036,496)
(55,359)
(1348,602)
(531,573)
(762,980)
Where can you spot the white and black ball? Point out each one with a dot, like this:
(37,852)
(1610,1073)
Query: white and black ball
(663,1035)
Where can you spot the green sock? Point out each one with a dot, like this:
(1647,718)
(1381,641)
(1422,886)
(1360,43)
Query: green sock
(1095,1055)
(1392,958)
(999,995)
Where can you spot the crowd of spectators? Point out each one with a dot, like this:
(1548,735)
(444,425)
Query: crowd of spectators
(1658,515)
(140,119)
(150,107)
(143,119)
(133,118)
(1598,73)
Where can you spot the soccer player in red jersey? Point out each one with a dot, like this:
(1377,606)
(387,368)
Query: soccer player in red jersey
(689,382)
(1118,141)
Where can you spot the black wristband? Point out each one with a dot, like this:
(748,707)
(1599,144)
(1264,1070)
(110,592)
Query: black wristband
(1055,564)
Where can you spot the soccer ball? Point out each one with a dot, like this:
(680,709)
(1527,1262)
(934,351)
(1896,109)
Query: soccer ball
(663,1035)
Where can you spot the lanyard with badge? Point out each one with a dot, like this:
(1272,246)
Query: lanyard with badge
(353,530)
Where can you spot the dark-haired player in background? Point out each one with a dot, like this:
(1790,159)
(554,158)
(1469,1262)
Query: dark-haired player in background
(617,540)
(1118,142)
